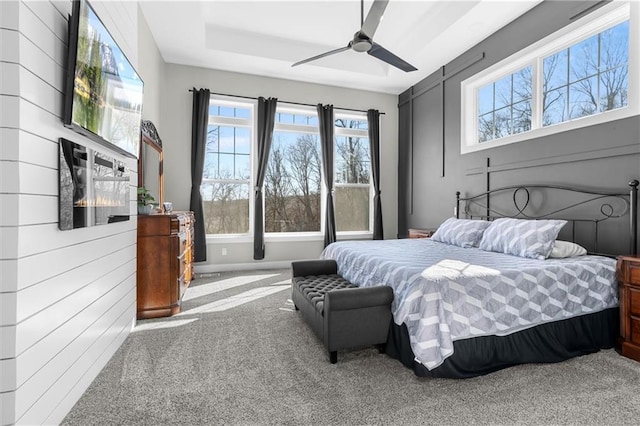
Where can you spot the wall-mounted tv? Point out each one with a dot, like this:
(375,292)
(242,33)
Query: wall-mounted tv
(103,94)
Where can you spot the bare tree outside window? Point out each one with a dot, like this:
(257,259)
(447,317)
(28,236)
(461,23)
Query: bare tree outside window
(589,77)
(352,196)
(504,106)
(293,183)
(227,170)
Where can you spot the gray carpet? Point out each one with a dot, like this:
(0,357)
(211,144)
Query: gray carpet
(232,358)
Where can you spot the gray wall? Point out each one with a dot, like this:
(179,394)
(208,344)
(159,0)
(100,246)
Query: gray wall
(602,156)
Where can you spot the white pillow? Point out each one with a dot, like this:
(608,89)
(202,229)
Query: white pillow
(562,249)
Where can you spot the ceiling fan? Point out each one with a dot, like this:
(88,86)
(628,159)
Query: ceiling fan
(363,39)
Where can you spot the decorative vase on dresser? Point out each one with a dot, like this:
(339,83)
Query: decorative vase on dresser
(629,287)
(165,262)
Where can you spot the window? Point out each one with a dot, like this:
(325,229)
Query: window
(590,77)
(582,75)
(352,189)
(293,181)
(504,106)
(294,190)
(226,178)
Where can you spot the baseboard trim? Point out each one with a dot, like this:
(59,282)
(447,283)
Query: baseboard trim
(209,268)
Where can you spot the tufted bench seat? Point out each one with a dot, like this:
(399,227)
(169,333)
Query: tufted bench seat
(340,313)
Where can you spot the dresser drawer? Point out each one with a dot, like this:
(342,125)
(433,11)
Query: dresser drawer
(634,331)
(629,271)
(634,301)
(634,273)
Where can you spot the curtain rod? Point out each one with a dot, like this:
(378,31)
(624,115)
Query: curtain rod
(286,102)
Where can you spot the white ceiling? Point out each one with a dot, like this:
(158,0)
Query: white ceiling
(264,37)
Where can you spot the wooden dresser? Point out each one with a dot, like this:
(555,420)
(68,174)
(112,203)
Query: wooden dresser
(629,286)
(165,262)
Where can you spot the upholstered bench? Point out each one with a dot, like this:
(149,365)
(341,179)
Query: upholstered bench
(341,314)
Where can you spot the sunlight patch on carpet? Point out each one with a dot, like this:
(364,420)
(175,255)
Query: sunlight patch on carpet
(289,306)
(157,325)
(236,300)
(217,286)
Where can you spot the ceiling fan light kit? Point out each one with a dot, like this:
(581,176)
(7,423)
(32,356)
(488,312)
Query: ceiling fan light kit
(363,40)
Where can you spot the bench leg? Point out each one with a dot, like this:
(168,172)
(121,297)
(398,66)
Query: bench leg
(333,357)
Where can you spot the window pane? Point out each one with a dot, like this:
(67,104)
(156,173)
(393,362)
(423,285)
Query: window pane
(242,166)
(227,139)
(613,88)
(583,98)
(213,133)
(229,111)
(284,118)
(505,106)
(243,140)
(210,170)
(555,107)
(225,207)
(583,59)
(351,160)
(346,123)
(352,208)
(305,120)
(226,166)
(485,99)
(503,92)
(555,71)
(522,82)
(614,46)
(502,122)
(485,127)
(293,183)
(521,117)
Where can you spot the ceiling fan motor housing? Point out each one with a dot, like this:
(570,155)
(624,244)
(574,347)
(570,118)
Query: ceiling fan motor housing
(361,43)
(362,40)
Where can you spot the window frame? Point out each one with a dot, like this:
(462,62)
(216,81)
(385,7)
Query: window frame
(249,123)
(596,22)
(341,131)
(283,107)
(294,128)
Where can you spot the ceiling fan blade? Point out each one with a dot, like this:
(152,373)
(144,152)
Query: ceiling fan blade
(322,55)
(374,17)
(388,57)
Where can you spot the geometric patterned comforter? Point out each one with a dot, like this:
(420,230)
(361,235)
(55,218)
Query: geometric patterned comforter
(445,293)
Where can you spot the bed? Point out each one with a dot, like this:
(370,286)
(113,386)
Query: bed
(465,306)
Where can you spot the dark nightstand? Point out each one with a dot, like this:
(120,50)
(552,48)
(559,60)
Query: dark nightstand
(628,272)
(420,233)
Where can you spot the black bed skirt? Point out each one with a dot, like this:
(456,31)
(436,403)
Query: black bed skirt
(550,342)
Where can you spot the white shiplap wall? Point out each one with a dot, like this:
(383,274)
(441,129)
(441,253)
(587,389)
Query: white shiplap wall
(67,298)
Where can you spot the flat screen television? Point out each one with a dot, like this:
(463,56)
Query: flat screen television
(103,92)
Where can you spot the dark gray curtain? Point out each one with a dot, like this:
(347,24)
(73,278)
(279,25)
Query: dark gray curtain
(326,123)
(373,117)
(266,119)
(199,123)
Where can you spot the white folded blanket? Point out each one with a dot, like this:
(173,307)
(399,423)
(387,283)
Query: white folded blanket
(450,269)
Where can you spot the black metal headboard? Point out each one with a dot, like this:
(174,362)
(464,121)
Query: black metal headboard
(575,205)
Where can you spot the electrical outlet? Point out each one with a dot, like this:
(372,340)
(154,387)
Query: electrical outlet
(224,251)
